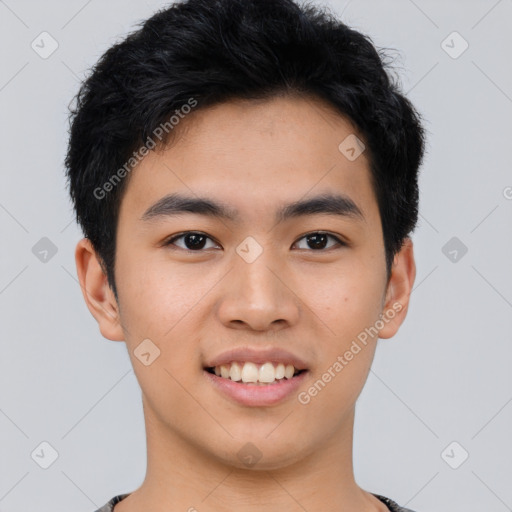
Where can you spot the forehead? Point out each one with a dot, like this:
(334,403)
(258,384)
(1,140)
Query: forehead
(254,154)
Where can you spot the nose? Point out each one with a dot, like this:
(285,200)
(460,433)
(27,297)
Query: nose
(259,296)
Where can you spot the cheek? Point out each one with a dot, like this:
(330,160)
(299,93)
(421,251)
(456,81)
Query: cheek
(157,308)
(347,301)
(155,295)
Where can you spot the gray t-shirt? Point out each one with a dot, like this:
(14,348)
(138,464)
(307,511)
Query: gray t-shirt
(393,507)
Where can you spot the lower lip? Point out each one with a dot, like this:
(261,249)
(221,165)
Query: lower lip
(257,395)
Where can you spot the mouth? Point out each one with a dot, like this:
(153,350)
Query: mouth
(266,374)
(256,377)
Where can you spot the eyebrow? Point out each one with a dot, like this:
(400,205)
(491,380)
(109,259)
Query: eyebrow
(176,204)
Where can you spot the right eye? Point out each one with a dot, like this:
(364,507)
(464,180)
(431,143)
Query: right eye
(194,241)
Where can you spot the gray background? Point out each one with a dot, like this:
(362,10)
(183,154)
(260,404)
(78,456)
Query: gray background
(445,377)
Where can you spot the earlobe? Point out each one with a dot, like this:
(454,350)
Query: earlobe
(401,281)
(97,293)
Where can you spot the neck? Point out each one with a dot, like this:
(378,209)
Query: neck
(183,477)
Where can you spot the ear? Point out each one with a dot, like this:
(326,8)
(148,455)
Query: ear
(98,295)
(401,280)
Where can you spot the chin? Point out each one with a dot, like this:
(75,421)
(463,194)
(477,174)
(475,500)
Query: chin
(259,453)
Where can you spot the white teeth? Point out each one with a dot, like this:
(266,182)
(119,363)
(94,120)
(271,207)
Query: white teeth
(267,373)
(235,372)
(289,371)
(224,371)
(248,372)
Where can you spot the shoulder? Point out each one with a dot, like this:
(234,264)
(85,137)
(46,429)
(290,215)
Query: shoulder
(392,505)
(109,506)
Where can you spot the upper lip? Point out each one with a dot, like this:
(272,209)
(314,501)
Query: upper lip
(257,356)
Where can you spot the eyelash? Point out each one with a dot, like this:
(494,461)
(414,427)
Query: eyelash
(170,241)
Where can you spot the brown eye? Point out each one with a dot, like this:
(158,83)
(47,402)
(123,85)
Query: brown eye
(192,241)
(318,241)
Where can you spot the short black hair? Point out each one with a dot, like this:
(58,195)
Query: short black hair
(213,51)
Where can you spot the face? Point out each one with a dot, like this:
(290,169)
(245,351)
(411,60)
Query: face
(251,244)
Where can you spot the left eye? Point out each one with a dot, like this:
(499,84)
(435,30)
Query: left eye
(319,240)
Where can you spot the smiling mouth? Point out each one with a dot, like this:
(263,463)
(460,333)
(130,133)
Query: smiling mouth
(256,374)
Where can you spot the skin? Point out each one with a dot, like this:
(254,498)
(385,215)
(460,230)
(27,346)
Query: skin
(253,156)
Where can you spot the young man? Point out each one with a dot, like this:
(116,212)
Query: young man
(245,173)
